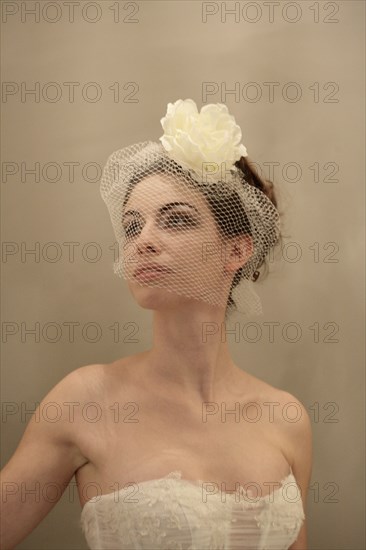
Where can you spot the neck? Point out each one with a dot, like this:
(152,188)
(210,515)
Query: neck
(189,357)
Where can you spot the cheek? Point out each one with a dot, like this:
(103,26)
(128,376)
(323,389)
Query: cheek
(200,255)
(188,248)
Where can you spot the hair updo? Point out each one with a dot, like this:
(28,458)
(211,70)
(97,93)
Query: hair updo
(252,177)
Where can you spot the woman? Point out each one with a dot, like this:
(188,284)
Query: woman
(174,458)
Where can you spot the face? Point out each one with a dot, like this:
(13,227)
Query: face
(170,224)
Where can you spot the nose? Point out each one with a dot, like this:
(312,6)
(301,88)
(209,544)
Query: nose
(148,240)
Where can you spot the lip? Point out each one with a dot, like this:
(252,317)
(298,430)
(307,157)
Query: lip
(151,270)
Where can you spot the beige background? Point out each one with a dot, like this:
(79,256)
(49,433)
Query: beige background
(169,52)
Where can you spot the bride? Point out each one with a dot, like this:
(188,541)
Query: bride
(177,446)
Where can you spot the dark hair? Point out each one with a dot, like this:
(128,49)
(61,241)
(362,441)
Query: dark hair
(252,177)
(237,223)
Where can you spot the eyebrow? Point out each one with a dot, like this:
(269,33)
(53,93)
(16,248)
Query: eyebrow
(164,208)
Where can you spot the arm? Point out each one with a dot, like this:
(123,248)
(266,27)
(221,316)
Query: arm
(45,459)
(300,438)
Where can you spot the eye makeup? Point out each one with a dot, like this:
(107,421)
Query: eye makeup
(170,216)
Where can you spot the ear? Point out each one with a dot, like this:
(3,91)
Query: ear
(238,250)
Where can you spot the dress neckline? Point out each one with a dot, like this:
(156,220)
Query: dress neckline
(176,475)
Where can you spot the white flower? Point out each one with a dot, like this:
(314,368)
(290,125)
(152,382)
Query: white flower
(206,142)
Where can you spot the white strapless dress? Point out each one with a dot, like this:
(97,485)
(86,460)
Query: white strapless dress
(178,514)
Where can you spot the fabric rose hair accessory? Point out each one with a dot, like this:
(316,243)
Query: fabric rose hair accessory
(206,142)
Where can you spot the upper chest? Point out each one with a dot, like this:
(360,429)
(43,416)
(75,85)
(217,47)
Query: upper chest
(142,435)
(125,407)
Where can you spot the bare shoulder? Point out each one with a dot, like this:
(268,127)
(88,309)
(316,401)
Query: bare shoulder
(101,380)
(81,387)
(287,409)
(297,430)
(90,378)
(288,414)
(75,384)
(73,390)
(296,426)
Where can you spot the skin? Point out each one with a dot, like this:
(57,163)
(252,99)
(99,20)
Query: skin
(179,357)
(153,403)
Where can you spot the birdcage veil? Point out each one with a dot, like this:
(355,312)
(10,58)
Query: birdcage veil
(195,160)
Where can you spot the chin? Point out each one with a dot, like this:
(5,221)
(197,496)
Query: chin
(149,297)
